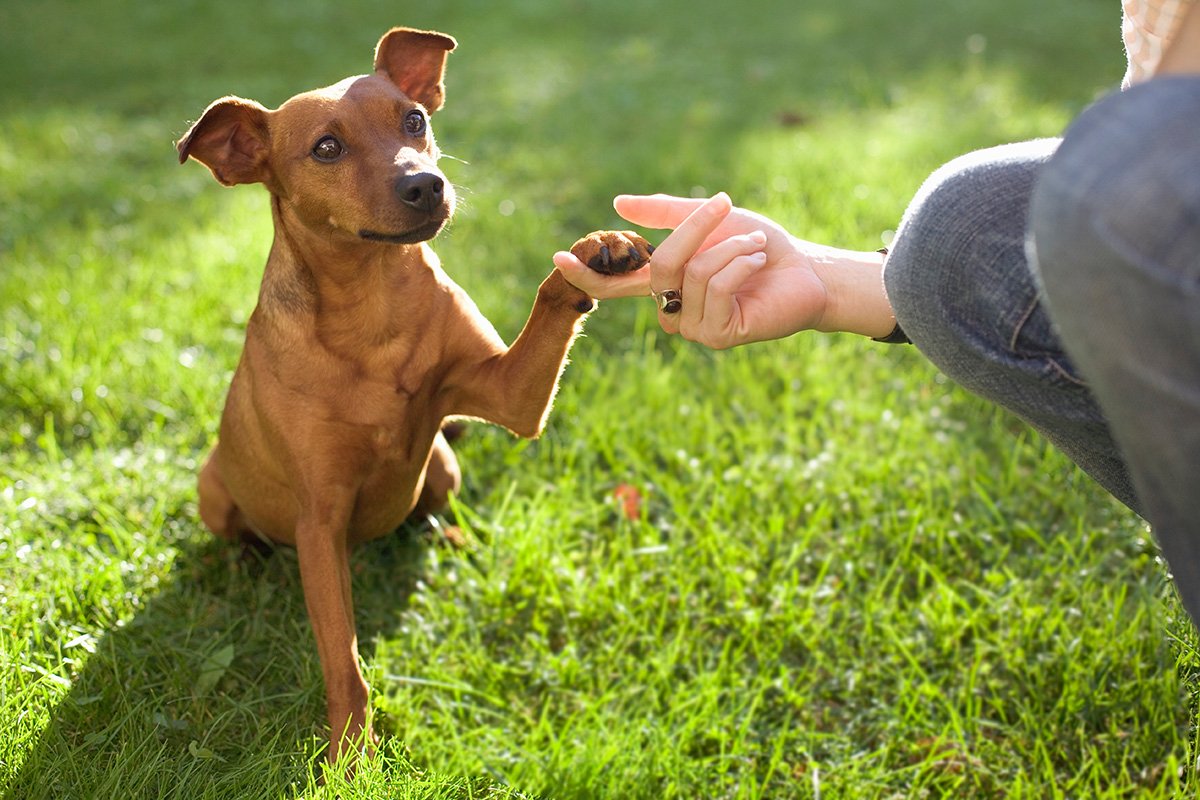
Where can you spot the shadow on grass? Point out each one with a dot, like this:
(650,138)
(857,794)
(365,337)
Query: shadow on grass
(213,689)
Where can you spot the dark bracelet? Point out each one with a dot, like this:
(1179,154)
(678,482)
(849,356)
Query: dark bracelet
(897,336)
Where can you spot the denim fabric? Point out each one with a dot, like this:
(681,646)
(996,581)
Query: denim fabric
(962,289)
(1116,238)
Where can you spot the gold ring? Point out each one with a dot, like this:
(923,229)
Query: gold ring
(669,300)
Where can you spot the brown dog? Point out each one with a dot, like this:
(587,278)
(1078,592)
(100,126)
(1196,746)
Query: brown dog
(360,346)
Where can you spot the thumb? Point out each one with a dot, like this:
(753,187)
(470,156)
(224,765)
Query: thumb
(599,286)
(656,210)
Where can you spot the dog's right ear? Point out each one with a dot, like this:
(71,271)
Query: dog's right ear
(232,139)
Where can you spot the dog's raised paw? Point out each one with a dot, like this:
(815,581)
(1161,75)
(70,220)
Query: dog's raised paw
(613,252)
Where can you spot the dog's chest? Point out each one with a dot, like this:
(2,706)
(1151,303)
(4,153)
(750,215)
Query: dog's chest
(397,443)
(397,414)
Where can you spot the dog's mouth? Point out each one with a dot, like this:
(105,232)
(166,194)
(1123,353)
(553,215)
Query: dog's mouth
(421,233)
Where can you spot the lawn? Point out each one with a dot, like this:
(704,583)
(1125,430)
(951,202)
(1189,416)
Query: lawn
(845,577)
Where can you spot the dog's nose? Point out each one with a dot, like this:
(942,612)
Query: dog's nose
(423,191)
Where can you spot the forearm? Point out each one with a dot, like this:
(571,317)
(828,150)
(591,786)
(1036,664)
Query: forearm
(855,301)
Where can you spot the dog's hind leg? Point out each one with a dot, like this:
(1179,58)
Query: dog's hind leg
(442,477)
(220,513)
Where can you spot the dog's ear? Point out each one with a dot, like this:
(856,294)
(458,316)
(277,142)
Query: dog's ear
(415,61)
(232,139)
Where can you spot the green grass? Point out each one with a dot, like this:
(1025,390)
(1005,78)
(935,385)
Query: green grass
(848,578)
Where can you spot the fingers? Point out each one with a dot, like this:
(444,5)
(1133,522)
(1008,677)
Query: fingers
(600,286)
(724,322)
(656,210)
(710,280)
(704,259)
(670,259)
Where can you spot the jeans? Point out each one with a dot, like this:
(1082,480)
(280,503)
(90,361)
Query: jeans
(1116,239)
(1061,280)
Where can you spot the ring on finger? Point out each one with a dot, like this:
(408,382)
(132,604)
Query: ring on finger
(670,301)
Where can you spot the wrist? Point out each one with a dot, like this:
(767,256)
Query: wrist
(855,300)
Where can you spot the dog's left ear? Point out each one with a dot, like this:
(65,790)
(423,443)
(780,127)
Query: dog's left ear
(415,61)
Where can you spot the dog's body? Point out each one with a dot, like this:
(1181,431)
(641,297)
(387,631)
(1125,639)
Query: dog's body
(360,346)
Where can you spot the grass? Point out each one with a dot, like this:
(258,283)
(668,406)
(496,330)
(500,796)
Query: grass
(847,578)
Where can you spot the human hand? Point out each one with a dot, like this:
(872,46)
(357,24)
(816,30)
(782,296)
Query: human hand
(743,278)
(714,257)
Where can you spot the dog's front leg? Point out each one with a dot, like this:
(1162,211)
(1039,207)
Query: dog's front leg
(325,574)
(515,387)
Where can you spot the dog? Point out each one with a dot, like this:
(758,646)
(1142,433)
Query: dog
(360,347)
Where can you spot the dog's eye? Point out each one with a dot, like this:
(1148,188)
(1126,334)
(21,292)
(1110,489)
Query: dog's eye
(328,149)
(414,123)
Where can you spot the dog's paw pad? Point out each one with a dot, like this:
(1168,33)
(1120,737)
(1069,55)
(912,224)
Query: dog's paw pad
(613,252)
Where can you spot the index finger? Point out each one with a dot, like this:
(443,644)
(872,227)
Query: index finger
(656,210)
(669,258)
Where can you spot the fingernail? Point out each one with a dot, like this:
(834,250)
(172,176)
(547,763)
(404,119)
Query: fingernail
(716,202)
(758,237)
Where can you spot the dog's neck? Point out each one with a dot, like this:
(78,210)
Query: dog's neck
(351,290)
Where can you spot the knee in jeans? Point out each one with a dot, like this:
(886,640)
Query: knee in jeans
(960,248)
(919,269)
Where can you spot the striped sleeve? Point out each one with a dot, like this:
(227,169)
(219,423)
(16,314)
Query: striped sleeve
(1147,27)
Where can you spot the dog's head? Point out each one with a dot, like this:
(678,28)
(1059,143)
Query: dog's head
(357,158)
